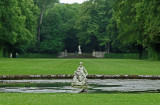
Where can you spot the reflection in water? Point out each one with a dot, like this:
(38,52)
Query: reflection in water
(94,86)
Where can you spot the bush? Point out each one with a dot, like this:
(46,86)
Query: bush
(37,55)
(122,56)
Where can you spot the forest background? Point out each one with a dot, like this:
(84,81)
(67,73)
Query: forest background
(50,27)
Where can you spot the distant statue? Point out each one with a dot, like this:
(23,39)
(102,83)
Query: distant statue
(79,48)
(11,55)
(79,78)
(93,53)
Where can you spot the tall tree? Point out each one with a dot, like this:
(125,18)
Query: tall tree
(94,18)
(58,31)
(43,4)
(130,30)
(17,29)
(13,23)
(31,12)
(138,24)
(150,10)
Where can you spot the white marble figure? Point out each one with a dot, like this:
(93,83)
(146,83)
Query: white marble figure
(79,78)
(79,48)
(10,55)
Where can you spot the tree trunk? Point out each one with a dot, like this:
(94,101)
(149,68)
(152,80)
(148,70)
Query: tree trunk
(108,48)
(140,51)
(40,23)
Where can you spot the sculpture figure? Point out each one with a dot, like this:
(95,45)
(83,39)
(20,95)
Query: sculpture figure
(79,48)
(79,78)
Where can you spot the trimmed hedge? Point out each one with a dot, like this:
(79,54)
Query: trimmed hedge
(122,55)
(37,55)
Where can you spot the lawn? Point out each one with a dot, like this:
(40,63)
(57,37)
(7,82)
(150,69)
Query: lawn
(79,99)
(68,66)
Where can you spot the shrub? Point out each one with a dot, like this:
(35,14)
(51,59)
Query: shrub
(122,55)
(37,55)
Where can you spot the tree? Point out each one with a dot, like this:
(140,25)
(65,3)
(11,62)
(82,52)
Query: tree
(94,18)
(130,30)
(58,31)
(51,37)
(13,24)
(138,24)
(70,39)
(16,30)
(151,12)
(43,4)
(31,12)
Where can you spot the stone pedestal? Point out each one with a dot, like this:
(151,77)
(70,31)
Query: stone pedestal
(80,53)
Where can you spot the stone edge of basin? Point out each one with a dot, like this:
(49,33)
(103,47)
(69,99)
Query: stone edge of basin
(21,77)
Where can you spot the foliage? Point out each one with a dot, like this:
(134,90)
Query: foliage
(37,55)
(12,22)
(94,23)
(118,26)
(51,33)
(18,24)
(58,28)
(43,5)
(31,12)
(122,56)
(138,24)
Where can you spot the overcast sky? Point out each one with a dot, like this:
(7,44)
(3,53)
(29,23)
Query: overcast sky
(72,1)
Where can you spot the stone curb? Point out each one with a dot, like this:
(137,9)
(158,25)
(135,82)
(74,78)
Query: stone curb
(21,77)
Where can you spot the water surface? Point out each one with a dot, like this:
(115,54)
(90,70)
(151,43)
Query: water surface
(94,86)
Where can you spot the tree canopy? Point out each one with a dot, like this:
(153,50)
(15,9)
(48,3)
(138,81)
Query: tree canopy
(47,26)
(18,23)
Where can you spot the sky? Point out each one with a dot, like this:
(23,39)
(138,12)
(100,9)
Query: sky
(72,1)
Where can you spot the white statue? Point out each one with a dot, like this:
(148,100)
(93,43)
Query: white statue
(79,48)
(10,55)
(79,78)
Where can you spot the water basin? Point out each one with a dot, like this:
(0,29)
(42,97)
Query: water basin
(94,86)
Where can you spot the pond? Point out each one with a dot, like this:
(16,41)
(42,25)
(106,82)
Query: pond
(94,86)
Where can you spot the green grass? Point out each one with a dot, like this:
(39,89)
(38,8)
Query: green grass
(68,66)
(79,99)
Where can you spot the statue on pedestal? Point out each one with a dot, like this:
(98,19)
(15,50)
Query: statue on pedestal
(79,48)
(79,78)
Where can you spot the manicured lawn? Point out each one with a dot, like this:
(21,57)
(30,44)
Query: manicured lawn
(68,66)
(79,99)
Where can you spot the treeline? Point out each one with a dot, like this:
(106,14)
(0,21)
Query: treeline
(18,23)
(138,23)
(121,26)
(46,26)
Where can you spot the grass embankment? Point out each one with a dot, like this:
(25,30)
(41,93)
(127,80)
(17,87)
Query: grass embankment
(68,66)
(79,99)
